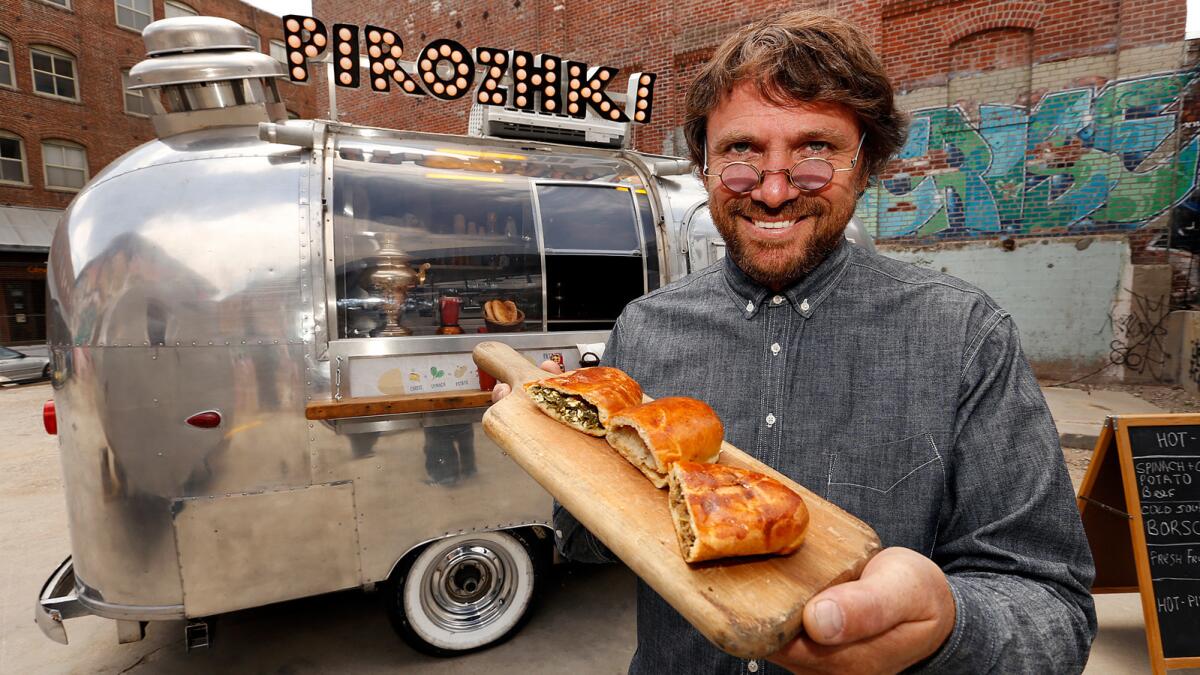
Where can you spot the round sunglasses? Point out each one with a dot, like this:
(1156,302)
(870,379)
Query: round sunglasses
(809,174)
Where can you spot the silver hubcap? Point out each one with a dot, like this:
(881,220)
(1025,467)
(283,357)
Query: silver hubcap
(470,586)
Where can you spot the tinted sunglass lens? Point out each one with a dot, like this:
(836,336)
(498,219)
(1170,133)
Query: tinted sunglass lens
(739,177)
(812,174)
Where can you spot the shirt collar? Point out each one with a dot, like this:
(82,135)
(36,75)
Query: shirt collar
(804,296)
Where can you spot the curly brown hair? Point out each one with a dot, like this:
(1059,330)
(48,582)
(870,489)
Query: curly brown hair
(802,56)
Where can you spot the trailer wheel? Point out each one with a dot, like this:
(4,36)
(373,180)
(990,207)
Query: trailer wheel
(464,593)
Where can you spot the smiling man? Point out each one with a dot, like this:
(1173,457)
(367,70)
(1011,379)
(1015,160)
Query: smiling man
(896,392)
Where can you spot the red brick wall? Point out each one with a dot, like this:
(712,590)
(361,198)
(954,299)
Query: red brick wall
(101,48)
(918,40)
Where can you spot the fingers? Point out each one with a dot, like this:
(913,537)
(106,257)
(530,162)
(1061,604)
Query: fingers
(898,585)
(551,367)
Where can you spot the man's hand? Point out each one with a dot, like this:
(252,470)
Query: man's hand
(899,612)
(501,390)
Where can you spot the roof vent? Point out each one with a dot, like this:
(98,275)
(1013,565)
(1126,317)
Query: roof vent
(204,71)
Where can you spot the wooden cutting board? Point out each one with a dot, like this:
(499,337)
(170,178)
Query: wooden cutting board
(748,607)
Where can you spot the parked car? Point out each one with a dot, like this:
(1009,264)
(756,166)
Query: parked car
(18,367)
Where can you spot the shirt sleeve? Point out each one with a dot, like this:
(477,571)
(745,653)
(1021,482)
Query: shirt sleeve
(574,541)
(1010,539)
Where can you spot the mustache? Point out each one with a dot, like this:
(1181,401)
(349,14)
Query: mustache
(794,209)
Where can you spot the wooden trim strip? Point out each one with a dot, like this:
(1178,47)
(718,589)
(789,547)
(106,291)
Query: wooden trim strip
(369,406)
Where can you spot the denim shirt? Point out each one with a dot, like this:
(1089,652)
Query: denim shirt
(901,395)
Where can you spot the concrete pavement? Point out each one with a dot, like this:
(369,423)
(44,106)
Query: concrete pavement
(1079,414)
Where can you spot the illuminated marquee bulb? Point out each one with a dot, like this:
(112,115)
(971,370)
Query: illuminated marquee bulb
(490,91)
(640,96)
(448,68)
(533,77)
(384,47)
(345,44)
(304,37)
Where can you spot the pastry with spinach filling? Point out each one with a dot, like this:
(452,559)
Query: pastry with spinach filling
(585,399)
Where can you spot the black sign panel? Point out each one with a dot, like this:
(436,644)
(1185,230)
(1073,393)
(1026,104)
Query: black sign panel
(1166,465)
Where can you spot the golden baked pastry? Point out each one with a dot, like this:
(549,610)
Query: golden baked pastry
(721,511)
(585,399)
(655,435)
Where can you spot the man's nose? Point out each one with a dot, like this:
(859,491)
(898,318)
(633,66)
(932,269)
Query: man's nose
(775,190)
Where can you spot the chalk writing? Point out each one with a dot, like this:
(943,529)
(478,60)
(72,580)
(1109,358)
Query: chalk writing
(1166,466)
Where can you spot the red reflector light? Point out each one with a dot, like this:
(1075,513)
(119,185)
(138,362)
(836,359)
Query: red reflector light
(50,417)
(205,420)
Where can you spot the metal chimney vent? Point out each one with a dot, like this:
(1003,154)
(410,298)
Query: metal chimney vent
(204,71)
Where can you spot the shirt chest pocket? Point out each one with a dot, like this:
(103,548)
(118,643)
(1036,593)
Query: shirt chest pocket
(895,487)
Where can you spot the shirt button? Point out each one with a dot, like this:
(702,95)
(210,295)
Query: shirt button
(804,305)
(752,666)
(750,306)
(770,419)
(775,348)
(777,300)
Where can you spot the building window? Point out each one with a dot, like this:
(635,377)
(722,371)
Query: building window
(65,4)
(53,72)
(134,14)
(278,51)
(66,165)
(12,159)
(255,41)
(7,78)
(174,9)
(136,102)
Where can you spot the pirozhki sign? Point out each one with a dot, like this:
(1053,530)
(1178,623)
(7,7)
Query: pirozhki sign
(444,69)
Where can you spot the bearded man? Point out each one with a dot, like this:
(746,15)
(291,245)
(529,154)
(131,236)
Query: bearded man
(898,393)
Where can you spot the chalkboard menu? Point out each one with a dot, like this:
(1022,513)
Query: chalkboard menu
(1140,505)
(1166,463)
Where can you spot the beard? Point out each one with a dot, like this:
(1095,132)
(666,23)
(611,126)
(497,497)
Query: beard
(778,264)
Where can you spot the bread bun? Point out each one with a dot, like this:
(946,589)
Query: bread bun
(507,311)
(502,312)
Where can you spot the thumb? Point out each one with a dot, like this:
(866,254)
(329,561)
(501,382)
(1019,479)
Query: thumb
(500,391)
(896,586)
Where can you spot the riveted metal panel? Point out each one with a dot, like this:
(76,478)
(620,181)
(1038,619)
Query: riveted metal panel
(303,543)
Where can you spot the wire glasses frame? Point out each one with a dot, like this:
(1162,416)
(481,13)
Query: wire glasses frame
(809,174)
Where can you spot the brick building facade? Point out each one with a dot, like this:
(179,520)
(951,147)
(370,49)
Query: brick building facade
(65,114)
(1030,117)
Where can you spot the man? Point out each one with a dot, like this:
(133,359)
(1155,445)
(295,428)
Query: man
(898,393)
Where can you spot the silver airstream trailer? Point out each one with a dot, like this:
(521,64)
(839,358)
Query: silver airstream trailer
(261,332)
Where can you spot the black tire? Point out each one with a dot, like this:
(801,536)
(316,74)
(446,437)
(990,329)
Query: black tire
(466,593)
(46,372)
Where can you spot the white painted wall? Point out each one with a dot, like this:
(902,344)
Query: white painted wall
(1060,292)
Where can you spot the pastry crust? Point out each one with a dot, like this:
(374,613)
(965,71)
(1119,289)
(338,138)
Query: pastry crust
(655,435)
(722,511)
(580,393)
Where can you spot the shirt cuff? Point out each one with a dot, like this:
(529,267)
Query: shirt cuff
(958,654)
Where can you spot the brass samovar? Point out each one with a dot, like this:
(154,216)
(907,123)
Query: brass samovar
(390,277)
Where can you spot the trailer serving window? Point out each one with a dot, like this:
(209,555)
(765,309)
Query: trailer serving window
(427,234)
(594,254)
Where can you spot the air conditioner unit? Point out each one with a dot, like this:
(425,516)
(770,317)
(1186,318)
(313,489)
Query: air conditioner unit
(498,122)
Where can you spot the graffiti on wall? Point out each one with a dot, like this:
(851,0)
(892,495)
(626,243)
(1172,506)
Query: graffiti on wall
(1140,337)
(1080,160)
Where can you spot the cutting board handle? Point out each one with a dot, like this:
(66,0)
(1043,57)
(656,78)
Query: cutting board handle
(505,364)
